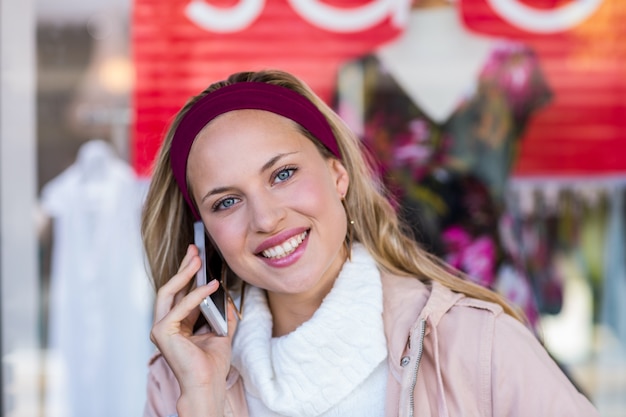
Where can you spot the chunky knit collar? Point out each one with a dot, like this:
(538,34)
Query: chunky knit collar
(312,369)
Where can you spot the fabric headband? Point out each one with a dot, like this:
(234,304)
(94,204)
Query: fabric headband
(240,96)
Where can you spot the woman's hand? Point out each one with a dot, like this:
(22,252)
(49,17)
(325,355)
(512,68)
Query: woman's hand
(200,362)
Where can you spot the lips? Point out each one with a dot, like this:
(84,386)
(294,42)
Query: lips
(285,248)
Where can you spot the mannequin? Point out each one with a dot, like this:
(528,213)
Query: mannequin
(436,60)
(100,299)
(443,109)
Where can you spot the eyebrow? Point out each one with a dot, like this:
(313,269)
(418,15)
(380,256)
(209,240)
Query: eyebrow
(273,161)
(269,164)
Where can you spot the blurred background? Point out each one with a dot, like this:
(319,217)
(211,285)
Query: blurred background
(499,126)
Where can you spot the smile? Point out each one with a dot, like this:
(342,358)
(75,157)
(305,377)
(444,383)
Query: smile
(284,249)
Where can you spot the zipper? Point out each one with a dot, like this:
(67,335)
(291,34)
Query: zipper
(420,349)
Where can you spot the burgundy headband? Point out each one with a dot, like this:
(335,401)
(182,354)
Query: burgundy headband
(240,96)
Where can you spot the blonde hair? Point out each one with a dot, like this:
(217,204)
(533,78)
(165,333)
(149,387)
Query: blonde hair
(167,222)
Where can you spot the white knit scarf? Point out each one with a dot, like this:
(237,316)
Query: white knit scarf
(333,364)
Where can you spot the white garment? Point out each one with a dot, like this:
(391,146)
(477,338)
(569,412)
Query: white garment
(100,297)
(332,365)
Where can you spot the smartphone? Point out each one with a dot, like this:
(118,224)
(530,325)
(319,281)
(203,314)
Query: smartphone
(214,306)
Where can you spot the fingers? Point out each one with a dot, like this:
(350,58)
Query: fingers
(165,297)
(192,250)
(175,309)
(180,318)
(191,301)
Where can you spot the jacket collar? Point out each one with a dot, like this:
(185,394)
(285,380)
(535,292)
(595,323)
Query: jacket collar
(406,301)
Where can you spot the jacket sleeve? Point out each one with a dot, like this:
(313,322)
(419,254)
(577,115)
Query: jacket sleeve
(162,390)
(526,381)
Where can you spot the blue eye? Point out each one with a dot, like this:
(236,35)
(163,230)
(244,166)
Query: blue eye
(224,203)
(284,174)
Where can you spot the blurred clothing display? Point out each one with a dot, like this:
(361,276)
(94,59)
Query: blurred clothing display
(613,311)
(100,301)
(443,111)
(397,105)
(581,134)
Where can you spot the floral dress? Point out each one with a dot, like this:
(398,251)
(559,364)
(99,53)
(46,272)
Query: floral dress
(448,179)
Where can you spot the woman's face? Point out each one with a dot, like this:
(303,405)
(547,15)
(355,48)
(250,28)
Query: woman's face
(269,201)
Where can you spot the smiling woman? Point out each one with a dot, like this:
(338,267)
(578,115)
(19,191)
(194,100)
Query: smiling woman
(340,317)
(283,193)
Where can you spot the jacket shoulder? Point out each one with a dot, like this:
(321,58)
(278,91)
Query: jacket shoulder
(163,390)
(513,372)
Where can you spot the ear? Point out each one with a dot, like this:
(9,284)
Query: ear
(340,176)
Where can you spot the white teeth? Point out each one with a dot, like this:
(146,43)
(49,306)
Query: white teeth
(285,248)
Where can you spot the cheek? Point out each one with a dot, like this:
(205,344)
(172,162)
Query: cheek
(308,193)
(318,199)
(227,234)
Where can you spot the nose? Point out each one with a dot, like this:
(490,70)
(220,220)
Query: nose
(266,212)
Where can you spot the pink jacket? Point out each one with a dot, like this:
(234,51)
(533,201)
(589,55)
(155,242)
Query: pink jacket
(449,356)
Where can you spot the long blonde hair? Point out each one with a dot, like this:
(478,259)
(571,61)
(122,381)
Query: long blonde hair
(167,222)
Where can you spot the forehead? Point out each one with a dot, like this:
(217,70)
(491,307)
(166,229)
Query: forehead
(250,122)
(249,135)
